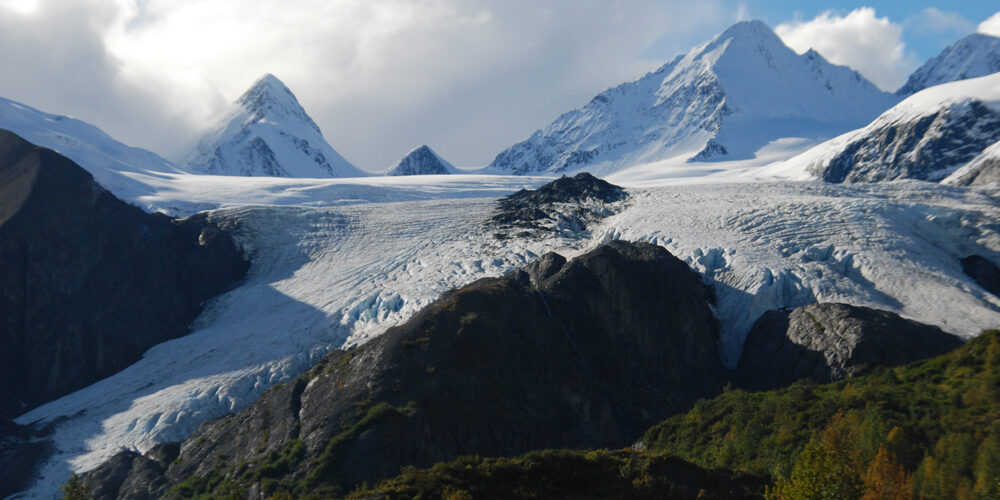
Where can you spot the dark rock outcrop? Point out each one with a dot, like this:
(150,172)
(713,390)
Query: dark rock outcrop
(586,353)
(829,341)
(87,282)
(20,453)
(565,205)
(984,272)
(421,161)
(926,148)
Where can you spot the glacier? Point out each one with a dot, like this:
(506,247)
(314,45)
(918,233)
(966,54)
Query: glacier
(340,260)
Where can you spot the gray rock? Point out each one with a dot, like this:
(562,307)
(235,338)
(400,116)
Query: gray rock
(586,353)
(828,342)
(421,161)
(564,206)
(983,271)
(984,170)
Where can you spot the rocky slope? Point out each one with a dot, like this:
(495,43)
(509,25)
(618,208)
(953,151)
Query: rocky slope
(982,170)
(928,136)
(421,161)
(561,354)
(564,206)
(267,133)
(828,342)
(973,56)
(87,282)
(723,100)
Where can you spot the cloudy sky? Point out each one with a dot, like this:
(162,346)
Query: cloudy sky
(380,77)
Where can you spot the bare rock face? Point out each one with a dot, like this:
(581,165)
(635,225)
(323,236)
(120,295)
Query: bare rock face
(564,206)
(586,353)
(828,342)
(984,272)
(88,282)
(928,147)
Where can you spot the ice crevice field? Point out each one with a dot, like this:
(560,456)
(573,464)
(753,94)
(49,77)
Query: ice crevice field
(324,277)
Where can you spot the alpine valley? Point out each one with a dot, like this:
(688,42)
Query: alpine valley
(700,284)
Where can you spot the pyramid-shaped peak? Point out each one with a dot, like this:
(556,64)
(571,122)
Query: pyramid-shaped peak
(749,29)
(742,39)
(421,161)
(269,98)
(422,150)
(267,86)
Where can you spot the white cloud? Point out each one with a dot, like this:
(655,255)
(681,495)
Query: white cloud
(991,26)
(939,22)
(467,77)
(871,45)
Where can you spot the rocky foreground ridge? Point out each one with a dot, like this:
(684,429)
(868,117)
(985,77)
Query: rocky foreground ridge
(562,354)
(88,283)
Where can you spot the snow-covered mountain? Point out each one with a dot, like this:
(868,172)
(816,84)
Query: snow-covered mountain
(422,161)
(928,136)
(267,133)
(973,56)
(723,100)
(109,161)
(982,170)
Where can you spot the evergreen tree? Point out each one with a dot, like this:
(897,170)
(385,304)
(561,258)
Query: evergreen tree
(75,489)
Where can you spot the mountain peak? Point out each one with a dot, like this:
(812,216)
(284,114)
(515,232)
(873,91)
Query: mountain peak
(266,132)
(270,98)
(724,100)
(748,29)
(421,161)
(973,56)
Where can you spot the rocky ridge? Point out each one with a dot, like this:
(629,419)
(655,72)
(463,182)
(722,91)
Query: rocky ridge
(586,353)
(973,56)
(829,341)
(562,207)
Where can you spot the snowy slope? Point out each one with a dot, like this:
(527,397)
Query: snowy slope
(723,100)
(267,133)
(982,170)
(973,56)
(422,161)
(108,160)
(927,136)
(337,275)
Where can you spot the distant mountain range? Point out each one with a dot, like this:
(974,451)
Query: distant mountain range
(973,56)
(723,100)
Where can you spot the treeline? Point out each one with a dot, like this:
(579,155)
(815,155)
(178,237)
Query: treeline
(930,429)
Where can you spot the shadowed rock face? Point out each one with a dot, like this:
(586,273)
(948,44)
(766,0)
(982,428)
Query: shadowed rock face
(984,272)
(924,148)
(586,353)
(88,282)
(827,342)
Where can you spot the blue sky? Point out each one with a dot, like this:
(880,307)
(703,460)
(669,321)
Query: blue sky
(381,77)
(923,40)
